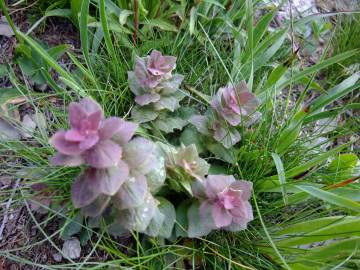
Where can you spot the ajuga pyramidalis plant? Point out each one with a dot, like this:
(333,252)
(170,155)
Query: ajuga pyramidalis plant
(156,89)
(231,106)
(125,174)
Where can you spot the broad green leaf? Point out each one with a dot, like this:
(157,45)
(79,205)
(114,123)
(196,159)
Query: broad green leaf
(168,210)
(192,22)
(47,58)
(66,13)
(221,152)
(162,24)
(191,136)
(343,161)
(8,94)
(262,26)
(331,198)
(181,219)
(72,226)
(196,228)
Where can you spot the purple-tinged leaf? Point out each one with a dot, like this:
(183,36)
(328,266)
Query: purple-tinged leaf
(221,216)
(228,201)
(96,207)
(104,155)
(171,86)
(233,103)
(196,226)
(76,114)
(146,99)
(109,180)
(125,133)
(64,160)
(140,153)
(159,65)
(64,146)
(138,218)
(143,114)
(132,193)
(216,184)
(200,122)
(82,191)
(89,105)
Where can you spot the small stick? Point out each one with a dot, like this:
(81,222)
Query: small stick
(6,218)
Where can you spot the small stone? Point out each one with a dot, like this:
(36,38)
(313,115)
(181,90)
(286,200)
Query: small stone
(71,248)
(29,126)
(57,257)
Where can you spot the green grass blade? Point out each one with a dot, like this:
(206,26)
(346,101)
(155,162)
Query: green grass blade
(281,174)
(107,37)
(335,93)
(83,25)
(331,198)
(345,228)
(308,71)
(47,58)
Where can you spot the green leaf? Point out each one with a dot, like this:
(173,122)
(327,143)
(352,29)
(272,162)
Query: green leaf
(192,21)
(168,124)
(331,198)
(333,252)
(191,136)
(342,162)
(124,14)
(72,226)
(47,58)
(161,23)
(196,227)
(66,13)
(262,26)
(7,94)
(221,152)
(168,210)
(75,6)
(57,51)
(181,219)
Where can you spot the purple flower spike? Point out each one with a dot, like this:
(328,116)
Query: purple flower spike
(91,138)
(234,102)
(226,201)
